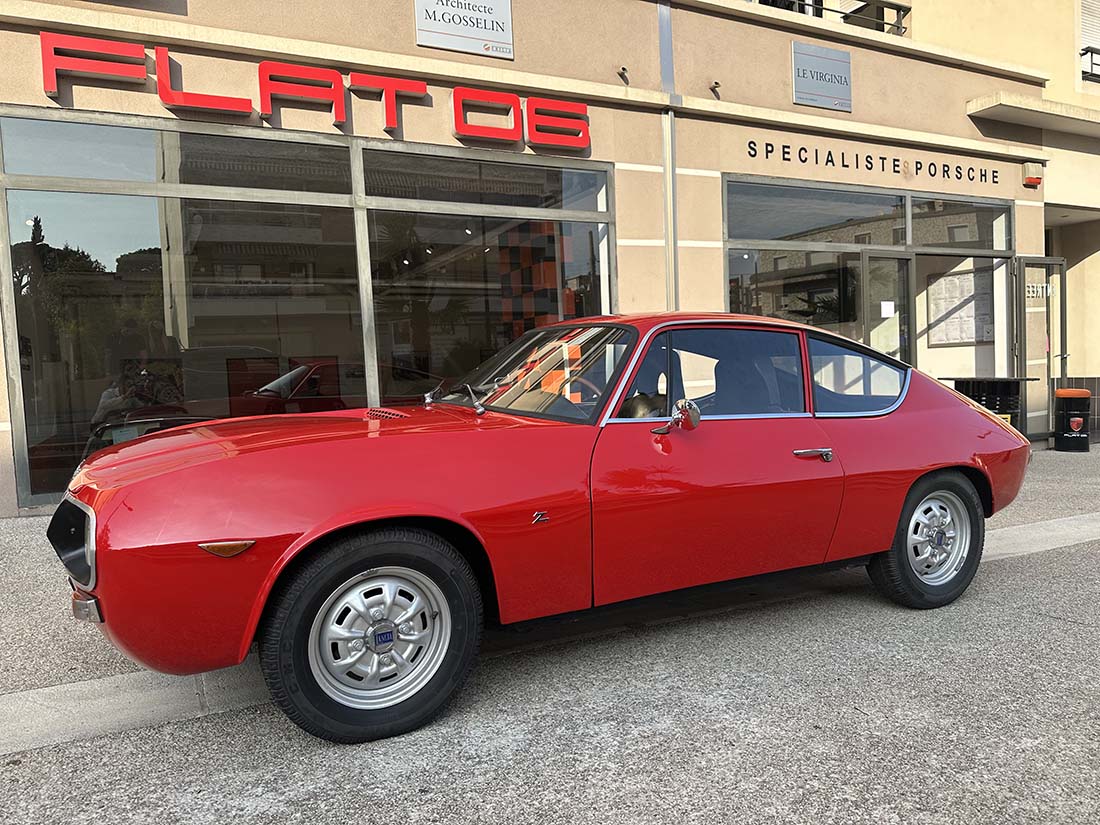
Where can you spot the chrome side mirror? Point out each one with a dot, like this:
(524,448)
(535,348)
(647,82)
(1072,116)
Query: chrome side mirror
(686,417)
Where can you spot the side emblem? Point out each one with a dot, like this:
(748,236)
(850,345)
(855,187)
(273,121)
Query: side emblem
(540,516)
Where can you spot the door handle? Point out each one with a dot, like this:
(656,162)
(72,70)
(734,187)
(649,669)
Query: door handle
(824,453)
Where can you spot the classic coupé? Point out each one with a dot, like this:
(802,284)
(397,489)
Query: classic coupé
(588,462)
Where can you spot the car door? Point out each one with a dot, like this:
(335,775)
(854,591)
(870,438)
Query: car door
(736,496)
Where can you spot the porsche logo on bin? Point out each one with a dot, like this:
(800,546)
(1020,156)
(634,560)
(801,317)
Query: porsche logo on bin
(1076,424)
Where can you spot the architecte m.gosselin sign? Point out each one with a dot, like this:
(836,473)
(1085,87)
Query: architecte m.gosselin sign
(475,26)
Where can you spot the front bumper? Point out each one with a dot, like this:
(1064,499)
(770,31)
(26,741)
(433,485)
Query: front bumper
(86,607)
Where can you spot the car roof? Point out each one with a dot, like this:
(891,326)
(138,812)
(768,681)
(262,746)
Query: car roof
(646,321)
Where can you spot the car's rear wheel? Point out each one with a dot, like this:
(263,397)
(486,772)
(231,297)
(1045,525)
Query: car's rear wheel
(938,544)
(373,635)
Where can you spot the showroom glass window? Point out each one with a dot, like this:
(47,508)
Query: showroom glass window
(452,289)
(237,290)
(795,213)
(916,276)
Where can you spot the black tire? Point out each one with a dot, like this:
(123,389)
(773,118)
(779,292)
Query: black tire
(285,631)
(891,572)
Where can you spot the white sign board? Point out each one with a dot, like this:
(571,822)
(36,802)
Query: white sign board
(821,76)
(475,26)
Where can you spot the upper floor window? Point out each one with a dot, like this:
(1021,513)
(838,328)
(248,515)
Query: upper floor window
(1090,39)
(847,381)
(727,372)
(888,16)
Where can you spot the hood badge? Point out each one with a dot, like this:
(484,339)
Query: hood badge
(540,517)
(227,549)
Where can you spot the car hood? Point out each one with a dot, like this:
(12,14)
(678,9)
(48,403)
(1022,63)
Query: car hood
(198,443)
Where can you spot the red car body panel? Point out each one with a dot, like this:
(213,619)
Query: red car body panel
(631,513)
(727,500)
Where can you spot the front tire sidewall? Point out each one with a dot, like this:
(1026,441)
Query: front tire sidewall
(892,572)
(313,708)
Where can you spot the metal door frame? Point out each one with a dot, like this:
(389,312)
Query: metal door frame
(910,258)
(1055,267)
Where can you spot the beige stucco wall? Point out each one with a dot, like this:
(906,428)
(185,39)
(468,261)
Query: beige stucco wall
(887,89)
(554,37)
(1038,33)
(1080,245)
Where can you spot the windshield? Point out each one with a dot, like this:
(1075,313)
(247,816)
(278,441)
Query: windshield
(284,385)
(561,372)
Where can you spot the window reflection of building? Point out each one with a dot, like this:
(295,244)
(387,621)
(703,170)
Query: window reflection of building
(812,271)
(451,290)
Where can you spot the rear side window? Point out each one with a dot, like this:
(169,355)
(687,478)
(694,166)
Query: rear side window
(847,381)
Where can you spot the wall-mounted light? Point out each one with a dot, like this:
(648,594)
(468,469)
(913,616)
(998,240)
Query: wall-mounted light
(623,75)
(714,87)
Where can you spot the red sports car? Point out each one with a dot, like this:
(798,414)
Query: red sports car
(588,462)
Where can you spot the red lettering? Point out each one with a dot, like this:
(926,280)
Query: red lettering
(179,99)
(390,87)
(287,80)
(557,123)
(57,60)
(502,101)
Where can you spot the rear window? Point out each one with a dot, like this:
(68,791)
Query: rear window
(850,382)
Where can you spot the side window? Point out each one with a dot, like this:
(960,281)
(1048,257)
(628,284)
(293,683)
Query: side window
(848,381)
(738,371)
(648,393)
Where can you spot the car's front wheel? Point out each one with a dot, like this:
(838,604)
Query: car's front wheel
(938,543)
(372,635)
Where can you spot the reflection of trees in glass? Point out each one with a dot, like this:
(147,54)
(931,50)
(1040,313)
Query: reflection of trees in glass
(82,304)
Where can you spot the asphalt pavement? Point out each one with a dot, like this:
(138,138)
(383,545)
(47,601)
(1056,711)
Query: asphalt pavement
(798,698)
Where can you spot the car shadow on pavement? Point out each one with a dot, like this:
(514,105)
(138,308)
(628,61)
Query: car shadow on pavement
(677,605)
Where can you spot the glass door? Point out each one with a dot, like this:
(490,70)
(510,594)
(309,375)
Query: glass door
(1040,349)
(887,291)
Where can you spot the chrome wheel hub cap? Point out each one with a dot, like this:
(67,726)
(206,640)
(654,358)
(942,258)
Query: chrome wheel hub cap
(379,638)
(938,541)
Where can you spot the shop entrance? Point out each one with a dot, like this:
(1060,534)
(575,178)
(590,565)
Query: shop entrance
(1040,345)
(887,295)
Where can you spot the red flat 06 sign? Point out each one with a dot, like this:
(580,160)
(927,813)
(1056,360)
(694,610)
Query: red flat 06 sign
(477,114)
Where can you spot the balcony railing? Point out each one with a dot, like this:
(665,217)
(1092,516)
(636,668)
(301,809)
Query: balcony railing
(1090,65)
(889,16)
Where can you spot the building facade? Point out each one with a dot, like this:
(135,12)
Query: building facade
(216,209)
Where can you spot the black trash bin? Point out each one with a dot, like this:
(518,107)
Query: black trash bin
(1071,420)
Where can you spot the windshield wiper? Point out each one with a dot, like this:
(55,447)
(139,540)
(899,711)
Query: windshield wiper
(478,407)
(429,396)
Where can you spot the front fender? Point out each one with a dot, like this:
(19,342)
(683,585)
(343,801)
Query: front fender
(362,517)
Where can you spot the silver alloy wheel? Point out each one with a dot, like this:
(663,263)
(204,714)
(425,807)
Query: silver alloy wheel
(938,541)
(379,638)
